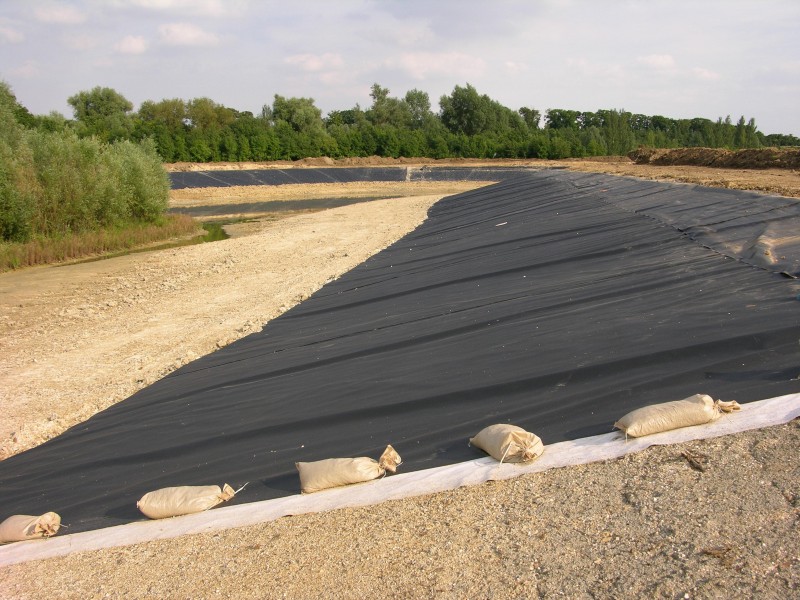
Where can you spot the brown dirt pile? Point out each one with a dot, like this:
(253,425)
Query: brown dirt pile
(750,158)
(780,182)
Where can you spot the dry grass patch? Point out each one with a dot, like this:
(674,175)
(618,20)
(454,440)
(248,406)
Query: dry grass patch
(16,255)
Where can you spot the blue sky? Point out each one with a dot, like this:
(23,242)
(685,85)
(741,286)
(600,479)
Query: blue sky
(676,58)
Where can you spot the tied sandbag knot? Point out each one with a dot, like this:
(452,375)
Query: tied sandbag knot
(726,407)
(389,460)
(508,443)
(526,451)
(18,528)
(228,492)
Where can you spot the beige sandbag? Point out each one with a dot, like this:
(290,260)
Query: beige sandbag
(508,443)
(184,500)
(26,527)
(335,472)
(655,418)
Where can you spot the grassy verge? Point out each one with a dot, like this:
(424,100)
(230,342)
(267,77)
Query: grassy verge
(16,255)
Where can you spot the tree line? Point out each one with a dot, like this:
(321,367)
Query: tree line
(468,125)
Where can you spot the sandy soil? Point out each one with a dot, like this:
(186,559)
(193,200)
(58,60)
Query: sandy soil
(780,182)
(75,339)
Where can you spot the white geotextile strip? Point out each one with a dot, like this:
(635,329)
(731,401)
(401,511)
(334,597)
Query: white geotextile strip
(753,415)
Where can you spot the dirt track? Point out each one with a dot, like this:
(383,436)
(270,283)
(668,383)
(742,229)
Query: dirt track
(75,339)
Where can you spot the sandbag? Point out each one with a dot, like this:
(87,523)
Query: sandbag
(655,418)
(508,443)
(18,528)
(335,472)
(183,500)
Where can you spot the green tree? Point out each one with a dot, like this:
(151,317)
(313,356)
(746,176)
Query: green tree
(206,115)
(19,113)
(169,113)
(299,113)
(102,112)
(419,108)
(559,118)
(464,111)
(531,116)
(589,119)
(53,122)
(751,135)
(388,111)
(255,137)
(167,123)
(616,129)
(725,132)
(780,139)
(351,116)
(299,127)
(740,135)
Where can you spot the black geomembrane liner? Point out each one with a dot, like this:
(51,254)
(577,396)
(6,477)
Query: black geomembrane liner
(556,301)
(197,179)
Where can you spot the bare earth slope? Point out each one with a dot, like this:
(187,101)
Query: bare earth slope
(75,339)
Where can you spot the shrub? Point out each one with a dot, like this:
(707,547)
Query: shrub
(141,178)
(54,184)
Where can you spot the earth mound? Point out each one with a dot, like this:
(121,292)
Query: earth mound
(748,158)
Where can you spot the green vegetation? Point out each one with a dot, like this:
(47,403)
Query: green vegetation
(102,242)
(63,192)
(214,232)
(98,177)
(468,125)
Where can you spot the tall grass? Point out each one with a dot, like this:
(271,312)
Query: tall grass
(103,241)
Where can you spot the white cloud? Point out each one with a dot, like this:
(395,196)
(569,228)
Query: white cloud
(27,70)
(705,74)
(132,44)
(65,14)
(387,30)
(335,78)
(103,62)
(657,61)
(80,42)
(208,8)
(9,35)
(186,34)
(515,67)
(420,65)
(316,62)
(607,72)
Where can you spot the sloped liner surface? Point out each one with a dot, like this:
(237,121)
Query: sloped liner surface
(754,415)
(554,301)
